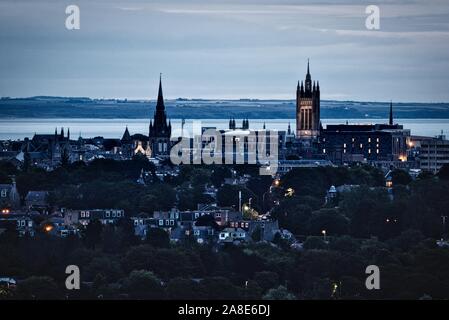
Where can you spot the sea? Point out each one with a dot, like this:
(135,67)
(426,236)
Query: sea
(20,128)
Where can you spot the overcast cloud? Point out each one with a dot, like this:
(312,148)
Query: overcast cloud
(225,49)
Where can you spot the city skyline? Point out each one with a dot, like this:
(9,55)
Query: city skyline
(248,50)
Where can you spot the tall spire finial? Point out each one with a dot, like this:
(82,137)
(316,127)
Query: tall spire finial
(160,97)
(391,113)
(308,69)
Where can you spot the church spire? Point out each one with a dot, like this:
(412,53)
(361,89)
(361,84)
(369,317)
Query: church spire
(308,82)
(391,114)
(160,97)
(308,69)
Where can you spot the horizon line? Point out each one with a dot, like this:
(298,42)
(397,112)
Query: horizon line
(3,98)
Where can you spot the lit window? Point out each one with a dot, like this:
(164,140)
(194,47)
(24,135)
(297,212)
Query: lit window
(369,151)
(377,151)
(361,146)
(377,139)
(324,150)
(353,139)
(369,139)
(344,145)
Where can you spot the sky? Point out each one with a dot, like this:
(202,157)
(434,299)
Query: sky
(225,49)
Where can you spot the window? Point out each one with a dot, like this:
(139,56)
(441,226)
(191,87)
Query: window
(83,214)
(369,140)
(344,145)
(161,222)
(361,146)
(114,214)
(377,151)
(369,151)
(172,222)
(108,214)
(377,139)
(324,150)
(4,193)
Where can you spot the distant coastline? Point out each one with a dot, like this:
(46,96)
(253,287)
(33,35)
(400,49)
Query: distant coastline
(81,107)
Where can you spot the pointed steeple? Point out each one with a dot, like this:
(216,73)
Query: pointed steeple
(62,132)
(308,68)
(68,134)
(308,82)
(391,114)
(126,136)
(160,96)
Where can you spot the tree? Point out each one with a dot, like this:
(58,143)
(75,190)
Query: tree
(182,289)
(220,288)
(400,177)
(219,174)
(279,293)
(315,243)
(207,220)
(157,237)
(330,220)
(443,174)
(142,284)
(38,288)
(26,161)
(92,233)
(65,157)
(266,279)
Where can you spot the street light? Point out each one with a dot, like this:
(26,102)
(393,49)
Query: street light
(324,235)
(443,218)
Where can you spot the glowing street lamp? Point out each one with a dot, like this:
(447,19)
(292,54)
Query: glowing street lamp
(323,232)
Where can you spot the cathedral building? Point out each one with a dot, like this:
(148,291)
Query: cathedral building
(308,109)
(160,128)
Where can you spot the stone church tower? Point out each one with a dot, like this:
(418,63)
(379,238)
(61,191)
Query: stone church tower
(160,128)
(308,108)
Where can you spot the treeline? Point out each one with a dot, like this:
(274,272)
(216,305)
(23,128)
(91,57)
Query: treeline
(116,266)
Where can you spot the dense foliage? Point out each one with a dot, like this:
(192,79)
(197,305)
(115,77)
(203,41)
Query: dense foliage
(364,225)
